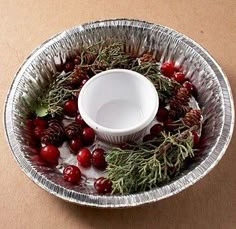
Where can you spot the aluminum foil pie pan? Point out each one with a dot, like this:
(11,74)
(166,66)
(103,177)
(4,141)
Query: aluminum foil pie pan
(215,99)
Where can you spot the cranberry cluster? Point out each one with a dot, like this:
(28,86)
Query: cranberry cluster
(85,158)
(169,70)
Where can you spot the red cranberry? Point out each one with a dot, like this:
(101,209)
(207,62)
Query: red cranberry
(195,138)
(75,144)
(148,137)
(38,131)
(69,66)
(72,174)
(50,154)
(189,86)
(88,136)
(156,129)
(168,69)
(98,159)
(103,185)
(80,121)
(84,157)
(70,108)
(179,77)
(40,122)
(162,114)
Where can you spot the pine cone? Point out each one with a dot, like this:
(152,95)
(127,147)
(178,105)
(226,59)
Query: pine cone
(54,134)
(147,57)
(180,98)
(179,103)
(179,112)
(192,118)
(76,77)
(72,130)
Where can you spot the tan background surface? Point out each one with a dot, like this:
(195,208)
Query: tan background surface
(211,203)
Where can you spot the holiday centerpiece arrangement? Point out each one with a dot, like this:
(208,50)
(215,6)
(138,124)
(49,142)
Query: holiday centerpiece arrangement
(170,144)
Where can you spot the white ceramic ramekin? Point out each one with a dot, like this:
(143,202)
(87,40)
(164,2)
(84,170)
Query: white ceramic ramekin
(118,104)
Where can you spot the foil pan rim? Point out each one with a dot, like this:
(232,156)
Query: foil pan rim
(133,199)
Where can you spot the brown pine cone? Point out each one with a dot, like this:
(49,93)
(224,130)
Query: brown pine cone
(179,103)
(76,77)
(147,57)
(180,98)
(179,112)
(72,130)
(192,118)
(54,134)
